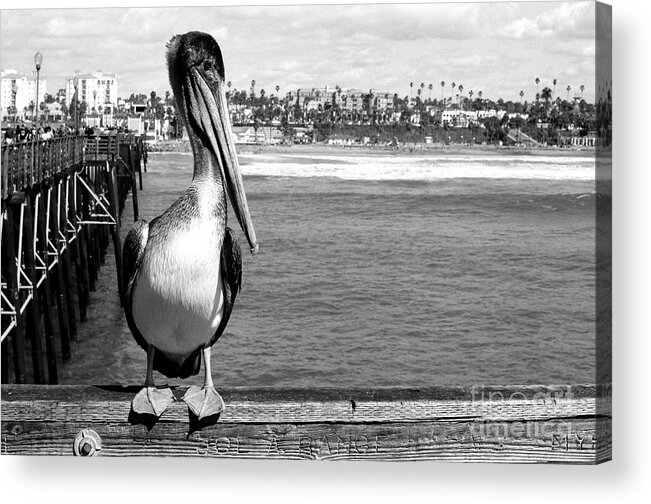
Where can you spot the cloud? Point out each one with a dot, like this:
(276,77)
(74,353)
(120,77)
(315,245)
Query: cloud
(566,20)
(381,46)
(525,28)
(575,19)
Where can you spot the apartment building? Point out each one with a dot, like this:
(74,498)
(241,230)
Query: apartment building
(18,90)
(97,89)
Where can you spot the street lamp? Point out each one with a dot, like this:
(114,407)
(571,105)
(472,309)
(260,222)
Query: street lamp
(75,83)
(38,59)
(14,92)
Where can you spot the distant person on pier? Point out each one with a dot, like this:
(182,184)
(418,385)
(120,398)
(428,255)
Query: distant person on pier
(8,136)
(21,133)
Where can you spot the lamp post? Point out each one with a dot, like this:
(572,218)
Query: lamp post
(38,59)
(14,92)
(75,83)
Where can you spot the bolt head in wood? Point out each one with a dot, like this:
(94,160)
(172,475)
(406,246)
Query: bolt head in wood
(87,444)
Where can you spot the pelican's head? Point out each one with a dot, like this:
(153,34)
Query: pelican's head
(196,71)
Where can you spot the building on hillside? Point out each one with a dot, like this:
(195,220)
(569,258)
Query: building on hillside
(457,118)
(18,93)
(382,100)
(313,98)
(484,114)
(354,100)
(97,89)
(517,115)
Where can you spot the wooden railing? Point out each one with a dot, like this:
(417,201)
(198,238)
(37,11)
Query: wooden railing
(561,424)
(25,164)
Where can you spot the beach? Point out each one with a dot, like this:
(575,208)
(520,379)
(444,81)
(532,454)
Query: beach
(414,149)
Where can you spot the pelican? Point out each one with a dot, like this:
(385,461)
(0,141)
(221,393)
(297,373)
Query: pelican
(182,271)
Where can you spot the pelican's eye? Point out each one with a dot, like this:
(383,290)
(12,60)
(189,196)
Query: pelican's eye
(209,69)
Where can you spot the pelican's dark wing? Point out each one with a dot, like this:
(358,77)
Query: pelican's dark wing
(231,266)
(132,252)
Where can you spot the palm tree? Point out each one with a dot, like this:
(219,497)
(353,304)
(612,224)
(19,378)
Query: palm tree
(479,94)
(521,95)
(252,88)
(411,88)
(461,89)
(582,87)
(442,86)
(470,93)
(338,88)
(422,85)
(537,82)
(554,82)
(569,88)
(430,87)
(453,86)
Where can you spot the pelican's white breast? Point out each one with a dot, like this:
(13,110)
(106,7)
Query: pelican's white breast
(178,300)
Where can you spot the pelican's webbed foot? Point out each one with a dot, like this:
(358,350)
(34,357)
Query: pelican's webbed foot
(203,401)
(152,401)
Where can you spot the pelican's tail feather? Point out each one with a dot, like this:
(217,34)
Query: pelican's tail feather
(172,368)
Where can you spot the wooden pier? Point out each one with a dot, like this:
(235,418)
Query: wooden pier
(563,424)
(62,200)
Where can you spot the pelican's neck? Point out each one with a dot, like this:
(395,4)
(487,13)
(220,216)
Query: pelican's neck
(207,183)
(206,169)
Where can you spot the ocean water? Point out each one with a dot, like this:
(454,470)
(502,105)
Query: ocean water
(389,270)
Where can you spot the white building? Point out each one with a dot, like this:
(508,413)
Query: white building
(459,118)
(19,90)
(97,89)
(312,98)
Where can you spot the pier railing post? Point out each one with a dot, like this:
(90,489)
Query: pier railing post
(61,301)
(74,243)
(44,288)
(65,256)
(117,246)
(9,246)
(33,318)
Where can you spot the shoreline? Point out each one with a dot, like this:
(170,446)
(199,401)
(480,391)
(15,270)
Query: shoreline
(183,146)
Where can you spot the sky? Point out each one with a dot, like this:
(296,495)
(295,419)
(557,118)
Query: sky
(498,48)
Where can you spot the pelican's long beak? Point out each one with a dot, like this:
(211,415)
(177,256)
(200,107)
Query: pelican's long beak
(208,108)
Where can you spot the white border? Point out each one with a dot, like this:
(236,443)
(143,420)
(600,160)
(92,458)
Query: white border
(33,479)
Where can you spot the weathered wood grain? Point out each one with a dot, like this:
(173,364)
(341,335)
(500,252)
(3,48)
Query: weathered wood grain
(516,424)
